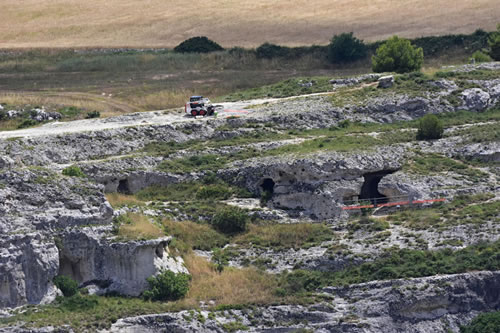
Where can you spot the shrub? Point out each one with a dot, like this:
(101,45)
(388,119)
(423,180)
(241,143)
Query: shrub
(68,286)
(397,55)
(167,286)
(73,171)
(27,123)
(345,48)
(270,51)
(484,323)
(78,302)
(230,220)
(429,128)
(479,56)
(198,45)
(214,192)
(93,114)
(494,44)
(219,258)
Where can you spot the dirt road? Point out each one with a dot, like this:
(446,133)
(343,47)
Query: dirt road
(159,117)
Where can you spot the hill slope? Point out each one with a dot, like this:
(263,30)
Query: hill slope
(73,23)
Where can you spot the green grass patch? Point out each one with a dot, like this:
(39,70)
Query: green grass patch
(399,263)
(285,88)
(433,163)
(285,236)
(481,133)
(189,235)
(466,209)
(86,313)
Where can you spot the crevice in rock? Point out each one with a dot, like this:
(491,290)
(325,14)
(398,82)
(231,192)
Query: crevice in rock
(267,186)
(123,186)
(369,190)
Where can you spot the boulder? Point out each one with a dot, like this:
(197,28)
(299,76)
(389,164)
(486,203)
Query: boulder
(475,99)
(385,82)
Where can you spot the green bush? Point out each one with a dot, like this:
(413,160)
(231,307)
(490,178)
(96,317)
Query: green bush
(167,286)
(27,123)
(479,56)
(494,44)
(214,192)
(73,171)
(397,55)
(220,260)
(270,51)
(68,286)
(230,220)
(345,48)
(198,45)
(93,114)
(484,323)
(78,302)
(429,128)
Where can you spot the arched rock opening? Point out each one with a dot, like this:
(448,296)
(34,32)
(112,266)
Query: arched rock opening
(123,186)
(369,190)
(267,186)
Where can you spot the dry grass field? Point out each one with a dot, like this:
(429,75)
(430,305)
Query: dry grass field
(158,23)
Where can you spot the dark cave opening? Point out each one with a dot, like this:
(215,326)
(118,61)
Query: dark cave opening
(268,186)
(123,186)
(369,190)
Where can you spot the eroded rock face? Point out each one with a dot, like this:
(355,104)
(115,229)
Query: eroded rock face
(314,185)
(39,209)
(422,305)
(28,263)
(120,267)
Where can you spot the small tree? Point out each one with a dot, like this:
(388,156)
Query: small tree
(198,45)
(167,286)
(269,51)
(68,286)
(345,48)
(429,128)
(230,220)
(73,171)
(494,43)
(219,258)
(398,55)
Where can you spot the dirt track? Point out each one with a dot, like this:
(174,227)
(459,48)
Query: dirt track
(159,117)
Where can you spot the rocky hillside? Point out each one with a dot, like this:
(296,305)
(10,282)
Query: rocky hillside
(254,209)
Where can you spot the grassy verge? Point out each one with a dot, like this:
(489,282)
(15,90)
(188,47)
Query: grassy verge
(118,200)
(133,226)
(468,209)
(285,236)
(432,163)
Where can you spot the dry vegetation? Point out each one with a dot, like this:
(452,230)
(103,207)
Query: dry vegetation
(138,226)
(232,286)
(118,200)
(73,23)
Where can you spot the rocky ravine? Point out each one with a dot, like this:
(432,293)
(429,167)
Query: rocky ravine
(52,224)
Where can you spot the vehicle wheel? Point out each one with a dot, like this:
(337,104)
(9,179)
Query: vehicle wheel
(194,113)
(203,112)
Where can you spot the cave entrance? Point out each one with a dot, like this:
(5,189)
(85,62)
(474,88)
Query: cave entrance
(123,187)
(267,187)
(369,190)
